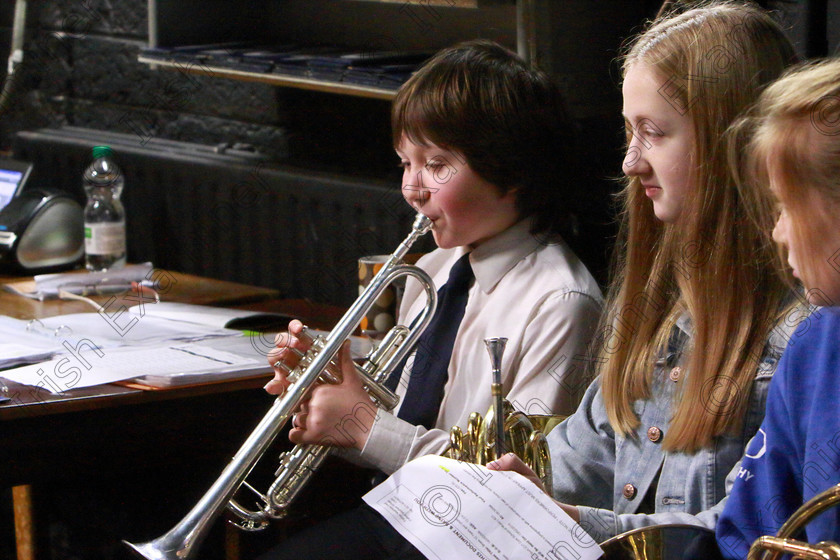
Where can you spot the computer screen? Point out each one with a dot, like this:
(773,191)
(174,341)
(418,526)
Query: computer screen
(13,174)
(9,181)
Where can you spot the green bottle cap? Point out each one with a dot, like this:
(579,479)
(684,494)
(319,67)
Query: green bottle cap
(102,151)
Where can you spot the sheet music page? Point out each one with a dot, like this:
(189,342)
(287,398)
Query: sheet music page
(21,346)
(124,328)
(92,365)
(187,312)
(454,510)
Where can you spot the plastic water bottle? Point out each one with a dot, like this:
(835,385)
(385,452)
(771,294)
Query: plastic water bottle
(104,214)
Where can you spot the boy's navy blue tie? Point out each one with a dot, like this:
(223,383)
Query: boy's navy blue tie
(429,372)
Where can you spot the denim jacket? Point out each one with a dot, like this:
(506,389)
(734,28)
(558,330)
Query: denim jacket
(622,483)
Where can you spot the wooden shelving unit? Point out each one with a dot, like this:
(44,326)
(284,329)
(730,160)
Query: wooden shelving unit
(447,3)
(364,25)
(277,79)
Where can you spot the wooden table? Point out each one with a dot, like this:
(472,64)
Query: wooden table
(174,286)
(152,438)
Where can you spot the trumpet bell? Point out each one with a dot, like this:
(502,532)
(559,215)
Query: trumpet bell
(154,551)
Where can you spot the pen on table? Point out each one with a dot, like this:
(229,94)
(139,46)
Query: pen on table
(142,288)
(105,288)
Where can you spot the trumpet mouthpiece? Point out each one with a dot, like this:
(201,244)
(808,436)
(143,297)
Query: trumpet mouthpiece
(422,223)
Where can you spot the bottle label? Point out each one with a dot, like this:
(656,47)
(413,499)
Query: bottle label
(105,238)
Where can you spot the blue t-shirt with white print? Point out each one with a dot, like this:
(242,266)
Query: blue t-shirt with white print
(796,453)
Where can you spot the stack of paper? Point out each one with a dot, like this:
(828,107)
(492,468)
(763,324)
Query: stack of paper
(85,349)
(128,329)
(162,366)
(159,344)
(22,345)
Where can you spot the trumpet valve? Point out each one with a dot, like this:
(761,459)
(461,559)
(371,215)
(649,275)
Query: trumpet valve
(330,374)
(379,393)
(280,364)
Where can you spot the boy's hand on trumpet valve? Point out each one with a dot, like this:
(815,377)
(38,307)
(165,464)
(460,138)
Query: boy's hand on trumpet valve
(339,415)
(288,346)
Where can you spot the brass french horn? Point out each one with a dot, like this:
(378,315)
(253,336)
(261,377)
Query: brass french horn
(770,548)
(524,435)
(665,542)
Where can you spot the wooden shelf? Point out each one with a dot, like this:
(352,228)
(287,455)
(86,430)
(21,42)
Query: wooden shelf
(354,25)
(445,3)
(276,79)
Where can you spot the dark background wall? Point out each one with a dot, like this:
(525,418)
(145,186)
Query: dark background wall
(81,70)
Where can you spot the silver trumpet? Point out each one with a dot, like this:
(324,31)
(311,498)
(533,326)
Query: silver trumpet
(316,365)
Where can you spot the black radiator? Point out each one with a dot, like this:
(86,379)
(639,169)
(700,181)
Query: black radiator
(232,215)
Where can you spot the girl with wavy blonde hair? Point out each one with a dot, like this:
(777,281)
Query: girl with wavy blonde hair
(686,347)
(711,263)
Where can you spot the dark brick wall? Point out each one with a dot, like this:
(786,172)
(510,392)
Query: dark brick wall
(80,68)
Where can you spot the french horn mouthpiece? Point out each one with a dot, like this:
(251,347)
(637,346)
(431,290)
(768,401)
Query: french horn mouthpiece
(496,348)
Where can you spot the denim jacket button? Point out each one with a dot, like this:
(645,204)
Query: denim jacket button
(675,373)
(629,491)
(654,434)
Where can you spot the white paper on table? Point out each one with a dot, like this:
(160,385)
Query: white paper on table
(12,354)
(95,366)
(122,328)
(18,345)
(454,510)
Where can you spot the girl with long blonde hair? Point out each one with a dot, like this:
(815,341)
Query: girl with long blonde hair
(688,343)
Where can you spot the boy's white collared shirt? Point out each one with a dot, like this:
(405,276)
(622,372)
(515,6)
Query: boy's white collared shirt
(536,294)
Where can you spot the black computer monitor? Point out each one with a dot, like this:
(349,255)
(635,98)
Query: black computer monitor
(13,175)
